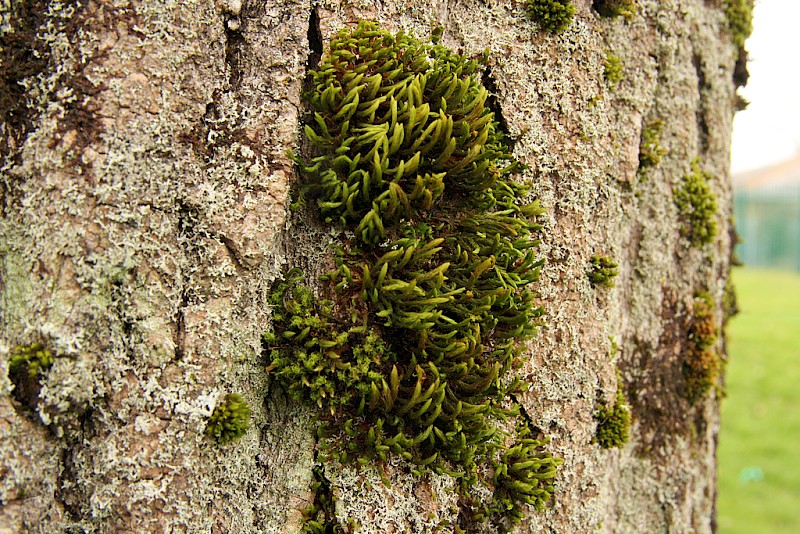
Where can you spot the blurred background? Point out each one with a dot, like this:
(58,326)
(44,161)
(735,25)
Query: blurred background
(759,468)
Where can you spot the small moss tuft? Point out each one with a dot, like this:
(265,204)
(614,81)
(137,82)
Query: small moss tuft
(35,359)
(553,16)
(523,474)
(602,271)
(612,70)
(614,422)
(697,207)
(230,419)
(650,149)
(27,365)
(740,20)
(702,363)
(615,8)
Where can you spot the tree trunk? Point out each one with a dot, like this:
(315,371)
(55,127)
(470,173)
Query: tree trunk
(145,187)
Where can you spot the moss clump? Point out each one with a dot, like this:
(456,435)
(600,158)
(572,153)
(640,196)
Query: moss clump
(408,346)
(615,8)
(602,271)
(230,419)
(739,14)
(697,207)
(614,422)
(612,70)
(701,363)
(553,16)
(650,149)
(394,121)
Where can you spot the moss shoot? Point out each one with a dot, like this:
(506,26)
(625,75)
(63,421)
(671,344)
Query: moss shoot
(408,344)
(602,271)
(553,16)
(230,419)
(697,207)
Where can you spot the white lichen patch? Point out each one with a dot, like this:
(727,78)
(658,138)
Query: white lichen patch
(387,499)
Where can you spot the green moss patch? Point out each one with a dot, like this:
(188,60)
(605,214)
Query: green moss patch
(34,359)
(650,149)
(553,16)
(697,207)
(739,14)
(615,8)
(614,422)
(701,362)
(612,70)
(27,365)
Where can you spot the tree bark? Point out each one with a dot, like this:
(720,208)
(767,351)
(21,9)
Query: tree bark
(145,185)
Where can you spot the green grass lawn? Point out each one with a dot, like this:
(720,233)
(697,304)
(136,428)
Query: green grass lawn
(759,445)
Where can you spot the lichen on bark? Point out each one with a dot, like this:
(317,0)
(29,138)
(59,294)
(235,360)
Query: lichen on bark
(144,223)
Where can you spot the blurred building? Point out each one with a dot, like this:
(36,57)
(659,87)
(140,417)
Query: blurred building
(767,215)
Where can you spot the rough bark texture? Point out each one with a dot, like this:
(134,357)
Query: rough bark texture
(144,216)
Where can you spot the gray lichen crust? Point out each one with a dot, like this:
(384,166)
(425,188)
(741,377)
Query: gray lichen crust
(144,196)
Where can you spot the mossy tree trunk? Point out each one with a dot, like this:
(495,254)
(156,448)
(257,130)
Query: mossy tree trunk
(145,214)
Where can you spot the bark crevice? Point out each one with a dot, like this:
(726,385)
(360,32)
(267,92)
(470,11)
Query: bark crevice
(493,103)
(314,36)
(234,48)
(703,128)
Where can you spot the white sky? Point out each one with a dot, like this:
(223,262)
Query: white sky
(768,131)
